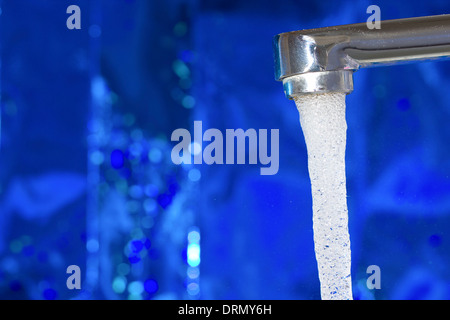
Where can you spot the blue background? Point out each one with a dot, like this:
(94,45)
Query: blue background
(86,177)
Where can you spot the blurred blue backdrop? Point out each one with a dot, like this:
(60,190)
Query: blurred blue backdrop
(86,176)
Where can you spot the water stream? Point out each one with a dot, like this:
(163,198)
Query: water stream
(322,117)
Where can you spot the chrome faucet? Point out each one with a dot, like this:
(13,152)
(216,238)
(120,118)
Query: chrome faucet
(324,59)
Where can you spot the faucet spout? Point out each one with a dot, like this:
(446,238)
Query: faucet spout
(324,59)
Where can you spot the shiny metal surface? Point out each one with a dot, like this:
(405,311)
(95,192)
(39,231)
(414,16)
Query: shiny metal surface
(354,46)
(318,82)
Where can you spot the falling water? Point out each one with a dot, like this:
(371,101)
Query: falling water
(322,117)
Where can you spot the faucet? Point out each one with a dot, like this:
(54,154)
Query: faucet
(323,60)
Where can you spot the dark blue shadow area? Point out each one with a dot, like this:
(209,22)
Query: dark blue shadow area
(87,176)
